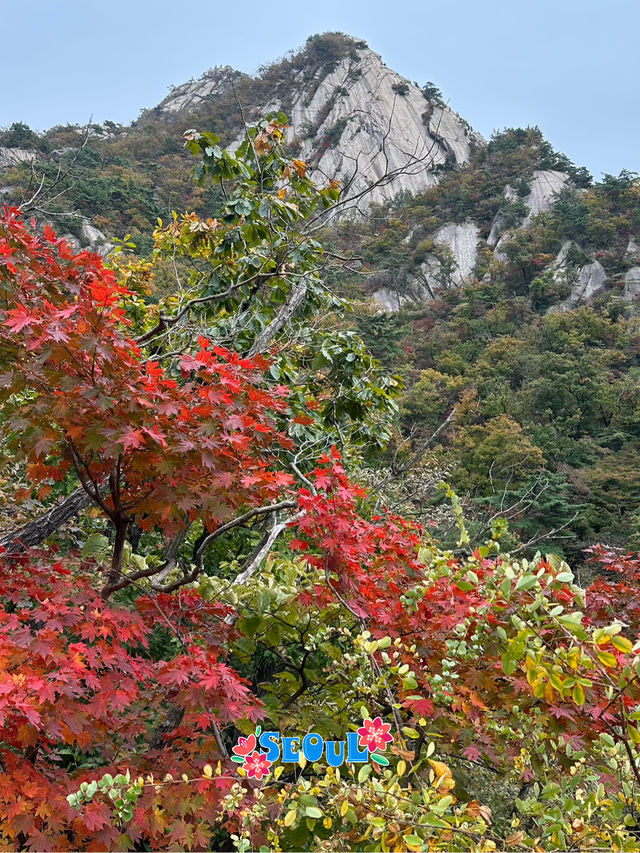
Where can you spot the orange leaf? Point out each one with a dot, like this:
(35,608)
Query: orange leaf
(300,166)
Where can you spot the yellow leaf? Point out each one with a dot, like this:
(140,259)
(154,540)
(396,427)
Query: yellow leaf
(606,658)
(574,658)
(555,680)
(401,768)
(207,771)
(282,193)
(578,695)
(622,644)
(344,808)
(290,817)
(444,781)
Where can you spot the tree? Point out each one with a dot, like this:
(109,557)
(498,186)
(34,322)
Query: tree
(245,279)
(123,688)
(82,399)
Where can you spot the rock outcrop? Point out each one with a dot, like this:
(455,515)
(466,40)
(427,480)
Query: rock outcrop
(543,187)
(592,279)
(354,120)
(462,241)
(499,225)
(13,156)
(91,239)
(631,284)
(189,95)
(364,122)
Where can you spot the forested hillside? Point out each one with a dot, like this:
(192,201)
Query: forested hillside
(297,449)
(537,344)
(515,273)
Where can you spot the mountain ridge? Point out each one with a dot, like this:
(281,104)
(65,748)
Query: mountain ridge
(351,118)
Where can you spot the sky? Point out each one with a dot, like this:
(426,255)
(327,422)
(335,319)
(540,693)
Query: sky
(572,67)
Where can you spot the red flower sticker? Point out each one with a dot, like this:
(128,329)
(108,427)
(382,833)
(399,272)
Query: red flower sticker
(245,745)
(374,735)
(257,765)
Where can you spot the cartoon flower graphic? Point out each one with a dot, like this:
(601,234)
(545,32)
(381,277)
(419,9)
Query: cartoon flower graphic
(257,765)
(245,745)
(374,734)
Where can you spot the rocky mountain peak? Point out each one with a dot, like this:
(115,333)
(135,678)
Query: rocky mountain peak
(351,117)
(362,121)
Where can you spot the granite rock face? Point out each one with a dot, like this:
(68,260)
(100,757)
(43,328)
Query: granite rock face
(189,95)
(91,240)
(631,284)
(355,120)
(632,252)
(543,187)
(499,225)
(364,122)
(592,279)
(12,156)
(359,122)
(462,241)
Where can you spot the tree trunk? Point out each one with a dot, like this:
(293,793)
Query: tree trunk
(284,315)
(115,572)
(35,532)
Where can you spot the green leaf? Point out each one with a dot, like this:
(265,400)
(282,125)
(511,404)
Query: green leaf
(508,665)
(526,582)
(95,544)
(409,732)
(379,759)
(313,811)
(433,820)
(364,773)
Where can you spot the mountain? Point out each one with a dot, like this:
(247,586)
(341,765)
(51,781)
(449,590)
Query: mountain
(349,114)
(491,276)
(351,118)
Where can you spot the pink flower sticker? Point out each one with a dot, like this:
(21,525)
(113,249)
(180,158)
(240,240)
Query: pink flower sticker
(245,745)
(257,765)
(374,735)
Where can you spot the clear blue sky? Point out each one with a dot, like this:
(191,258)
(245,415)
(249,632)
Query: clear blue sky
(570,66)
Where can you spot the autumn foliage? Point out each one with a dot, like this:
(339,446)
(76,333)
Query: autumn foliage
(124,683)
(168,451)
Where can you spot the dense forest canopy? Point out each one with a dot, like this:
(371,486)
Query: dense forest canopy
(241,502)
